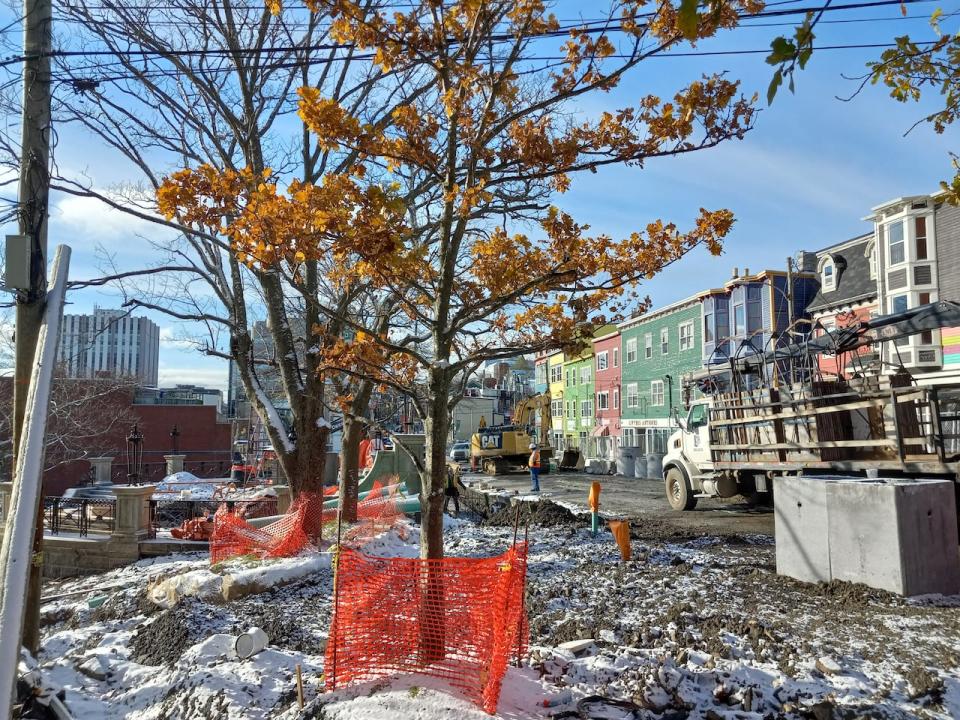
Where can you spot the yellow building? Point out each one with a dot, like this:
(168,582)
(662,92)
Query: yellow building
(555,381)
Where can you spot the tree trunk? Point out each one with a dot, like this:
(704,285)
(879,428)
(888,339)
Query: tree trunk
(434,478)
(350,467)
(305,466)
(436,427)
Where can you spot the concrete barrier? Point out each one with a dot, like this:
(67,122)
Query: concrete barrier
(898,535)
(800,527)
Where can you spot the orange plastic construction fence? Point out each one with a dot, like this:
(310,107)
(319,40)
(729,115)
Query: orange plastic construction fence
(459,619)
(233,536)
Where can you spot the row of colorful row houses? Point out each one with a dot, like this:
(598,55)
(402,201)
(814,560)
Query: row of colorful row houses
(623,388)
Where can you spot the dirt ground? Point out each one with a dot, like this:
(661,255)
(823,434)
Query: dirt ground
(643,502)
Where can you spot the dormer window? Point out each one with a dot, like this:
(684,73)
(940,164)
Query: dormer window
(870,253)
(828,277)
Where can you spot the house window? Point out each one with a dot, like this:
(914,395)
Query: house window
(827,278)
(739,320)
(664,341)
(603,401)
(571,408)
(616,398)
(920,226)
(648,345)
(925,298)
(602,361)
(723,320)
(895,242)
(632,350)
(686,335)
(541,374)
(556,408)
(708,328)
(585,375)
(633,396)
(556,373)
(656,392)
(586,408)
(900,304)
(754,309)
(616,357)
(569,380)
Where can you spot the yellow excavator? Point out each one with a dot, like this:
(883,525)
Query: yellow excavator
(501,449)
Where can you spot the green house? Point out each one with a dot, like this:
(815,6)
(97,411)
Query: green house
(578,398)
(657,349)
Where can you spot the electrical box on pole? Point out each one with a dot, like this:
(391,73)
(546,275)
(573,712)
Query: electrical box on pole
(17,269)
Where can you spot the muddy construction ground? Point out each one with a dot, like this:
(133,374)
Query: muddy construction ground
(695,625)
(641,501)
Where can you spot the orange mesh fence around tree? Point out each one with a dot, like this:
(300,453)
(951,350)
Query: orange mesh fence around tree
(233,536)
(459,619)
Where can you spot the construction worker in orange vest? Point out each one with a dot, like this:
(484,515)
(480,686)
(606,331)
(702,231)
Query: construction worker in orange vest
(534,464)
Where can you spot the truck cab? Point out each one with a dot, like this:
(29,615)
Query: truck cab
(688,457)
(689,471)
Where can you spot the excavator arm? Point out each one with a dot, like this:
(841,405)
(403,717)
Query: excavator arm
(525,409)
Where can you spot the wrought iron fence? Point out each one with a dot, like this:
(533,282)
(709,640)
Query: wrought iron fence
(155,471)
(76,515)
(167,514)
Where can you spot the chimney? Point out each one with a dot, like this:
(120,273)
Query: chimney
(746,272)
(735,274)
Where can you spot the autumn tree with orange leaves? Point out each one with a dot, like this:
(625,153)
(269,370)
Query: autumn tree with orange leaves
(452,206)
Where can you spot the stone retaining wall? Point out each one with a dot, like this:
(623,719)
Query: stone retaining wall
(69,556)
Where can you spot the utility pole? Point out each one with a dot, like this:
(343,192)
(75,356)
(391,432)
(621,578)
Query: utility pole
(33,214)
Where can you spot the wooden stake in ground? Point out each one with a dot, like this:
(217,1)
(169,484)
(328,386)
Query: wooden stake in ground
(299,686)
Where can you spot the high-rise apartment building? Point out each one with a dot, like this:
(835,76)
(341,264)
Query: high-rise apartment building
(110,343)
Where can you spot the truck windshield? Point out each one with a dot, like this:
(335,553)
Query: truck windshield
(697,416)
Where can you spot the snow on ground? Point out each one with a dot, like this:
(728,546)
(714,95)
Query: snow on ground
(187,486)
(699,628)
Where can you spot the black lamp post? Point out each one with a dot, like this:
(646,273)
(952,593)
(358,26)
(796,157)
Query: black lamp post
(175,440)
(134,455)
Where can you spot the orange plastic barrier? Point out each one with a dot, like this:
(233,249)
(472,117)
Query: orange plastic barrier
(233,536)
(459,619)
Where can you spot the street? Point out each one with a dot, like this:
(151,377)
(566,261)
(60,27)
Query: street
(642,501)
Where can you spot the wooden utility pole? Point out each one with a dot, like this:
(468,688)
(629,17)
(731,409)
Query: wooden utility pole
(33,214)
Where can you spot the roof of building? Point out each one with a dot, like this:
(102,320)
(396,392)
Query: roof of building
(852,272)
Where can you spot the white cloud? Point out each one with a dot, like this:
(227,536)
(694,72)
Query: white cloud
(90,218)
(170,338)
(205,377)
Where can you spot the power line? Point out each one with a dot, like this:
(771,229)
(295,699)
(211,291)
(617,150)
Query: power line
(148,74)
(506,37)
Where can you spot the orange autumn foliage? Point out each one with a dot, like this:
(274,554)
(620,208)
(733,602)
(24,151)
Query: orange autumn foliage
(447,200)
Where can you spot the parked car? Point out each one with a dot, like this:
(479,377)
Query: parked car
(460,452)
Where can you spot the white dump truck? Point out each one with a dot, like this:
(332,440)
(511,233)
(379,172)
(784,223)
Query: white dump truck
(748,430)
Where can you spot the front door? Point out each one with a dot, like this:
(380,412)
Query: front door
(697,438)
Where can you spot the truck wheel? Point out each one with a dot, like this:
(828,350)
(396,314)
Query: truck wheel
(679,494)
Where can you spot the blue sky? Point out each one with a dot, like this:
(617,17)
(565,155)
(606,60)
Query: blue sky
(802,179)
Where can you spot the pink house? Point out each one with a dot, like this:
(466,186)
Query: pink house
(607,399)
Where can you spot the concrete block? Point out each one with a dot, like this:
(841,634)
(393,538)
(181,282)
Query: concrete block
(895,534)
(801,528)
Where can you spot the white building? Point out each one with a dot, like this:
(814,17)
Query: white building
(110,343)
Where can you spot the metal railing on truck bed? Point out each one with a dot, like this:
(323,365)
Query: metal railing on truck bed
(827,424)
